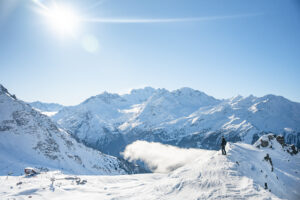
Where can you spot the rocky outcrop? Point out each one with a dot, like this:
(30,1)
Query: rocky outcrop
(29,138)
(280,139)
(276,141)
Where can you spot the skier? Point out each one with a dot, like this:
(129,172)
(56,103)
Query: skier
(223,144)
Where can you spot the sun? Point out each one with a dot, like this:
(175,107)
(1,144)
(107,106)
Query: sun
(62,19)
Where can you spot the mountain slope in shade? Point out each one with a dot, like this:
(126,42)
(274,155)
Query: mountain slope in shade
(241,174)
(29,138)
(184,117)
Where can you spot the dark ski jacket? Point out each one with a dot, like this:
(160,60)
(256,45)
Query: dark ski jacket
(223,143)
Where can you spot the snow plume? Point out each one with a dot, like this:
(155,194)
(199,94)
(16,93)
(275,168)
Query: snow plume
(160,157)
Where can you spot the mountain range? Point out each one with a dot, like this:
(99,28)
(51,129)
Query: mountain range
(184,117)
(134,126)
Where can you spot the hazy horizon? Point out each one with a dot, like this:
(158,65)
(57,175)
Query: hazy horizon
(129,91)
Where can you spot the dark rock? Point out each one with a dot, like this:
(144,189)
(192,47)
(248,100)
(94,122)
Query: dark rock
(268,159)
(294,149)
(271,137)
(14,97)
(81,182)
(264,143)
(3,89)
(280,139)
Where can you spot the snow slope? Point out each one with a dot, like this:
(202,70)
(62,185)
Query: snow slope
(184,117)
(29,138)
(240,175)
(48,109)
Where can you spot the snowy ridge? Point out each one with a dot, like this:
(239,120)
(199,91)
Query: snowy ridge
(241,174)
(46,107)
(184,117)
(29,138)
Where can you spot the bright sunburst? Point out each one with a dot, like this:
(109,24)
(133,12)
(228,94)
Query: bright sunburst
(61,18)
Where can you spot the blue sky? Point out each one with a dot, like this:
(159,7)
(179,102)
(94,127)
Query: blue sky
(223,48)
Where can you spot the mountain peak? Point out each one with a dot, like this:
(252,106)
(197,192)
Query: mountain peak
(272,97)
(105,96)
(46,107)
(185,90)
(188,91)
(146,89)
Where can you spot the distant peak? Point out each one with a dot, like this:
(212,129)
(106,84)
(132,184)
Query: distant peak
(186,90)
(41,102)
(274,98)
(106,94)
(140,90)
(105,97)
(236,98)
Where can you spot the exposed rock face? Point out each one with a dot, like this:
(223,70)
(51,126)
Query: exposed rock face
(273,141)
(293,150)
(280,139)
(29,138)
(269,159)
(264,143)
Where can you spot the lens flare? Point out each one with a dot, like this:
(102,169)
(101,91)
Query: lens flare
(62,19)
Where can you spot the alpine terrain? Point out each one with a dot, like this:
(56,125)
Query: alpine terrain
(29,138)
(46,108)
(269,169)
(184,118)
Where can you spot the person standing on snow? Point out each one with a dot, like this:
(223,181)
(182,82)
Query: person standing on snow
(223,144)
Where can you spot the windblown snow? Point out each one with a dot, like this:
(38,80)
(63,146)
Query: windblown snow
(209,175)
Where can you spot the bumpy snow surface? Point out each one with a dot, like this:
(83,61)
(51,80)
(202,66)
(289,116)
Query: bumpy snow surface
(241,174)
(29,138)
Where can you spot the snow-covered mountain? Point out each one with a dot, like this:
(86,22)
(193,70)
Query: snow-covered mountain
(29,138)
(256,171)
(184,117)
(48,109)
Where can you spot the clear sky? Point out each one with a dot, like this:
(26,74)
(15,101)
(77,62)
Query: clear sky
(223,48)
